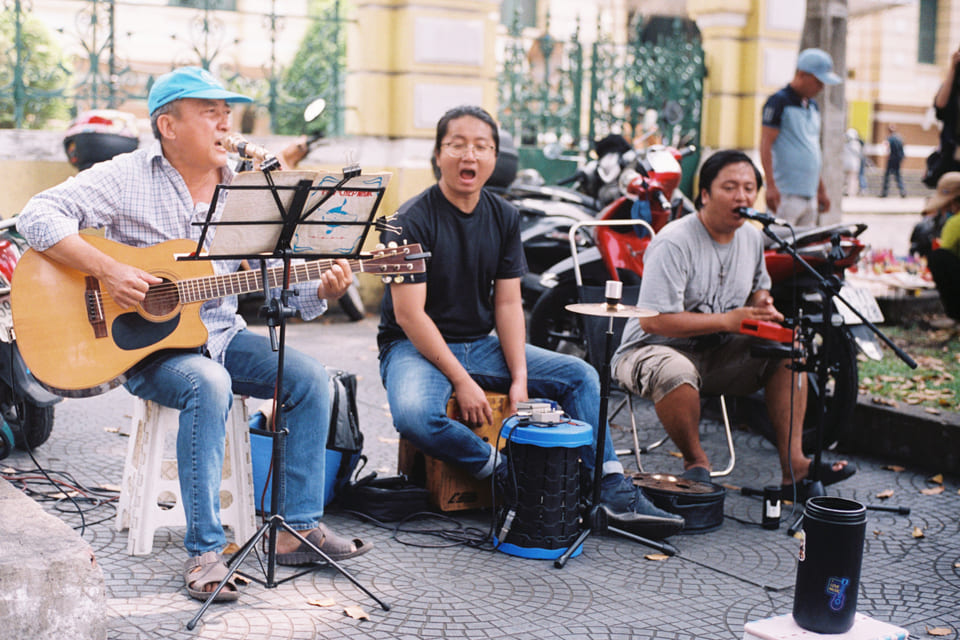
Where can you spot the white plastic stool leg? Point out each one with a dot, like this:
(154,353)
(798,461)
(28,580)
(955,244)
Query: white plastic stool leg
(150,476)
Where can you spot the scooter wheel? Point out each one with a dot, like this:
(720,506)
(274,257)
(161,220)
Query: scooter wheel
(6,440)
(352,303)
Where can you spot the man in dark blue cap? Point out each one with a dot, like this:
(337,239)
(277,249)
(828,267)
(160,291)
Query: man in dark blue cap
(152,195)
(790,142)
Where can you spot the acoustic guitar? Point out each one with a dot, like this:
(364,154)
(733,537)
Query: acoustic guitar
(78,342)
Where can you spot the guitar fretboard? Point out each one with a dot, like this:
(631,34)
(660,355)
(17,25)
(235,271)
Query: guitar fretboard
(231,284)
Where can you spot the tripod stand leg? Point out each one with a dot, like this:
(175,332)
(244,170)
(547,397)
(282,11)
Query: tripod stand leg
(346,574)
(233,566)
(663,547)
(562,560)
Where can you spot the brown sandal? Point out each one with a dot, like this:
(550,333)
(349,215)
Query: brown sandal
(203,570)
(337,547)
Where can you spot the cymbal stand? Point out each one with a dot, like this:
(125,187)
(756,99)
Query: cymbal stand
(596,518)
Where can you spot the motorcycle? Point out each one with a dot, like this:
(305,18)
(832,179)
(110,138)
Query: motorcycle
(548,212)
(26,406)
(650,195)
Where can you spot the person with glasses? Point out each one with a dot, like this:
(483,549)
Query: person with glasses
(705,274)
(436,332)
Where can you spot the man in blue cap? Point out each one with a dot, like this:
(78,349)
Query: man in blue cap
(790,142)
(152,195)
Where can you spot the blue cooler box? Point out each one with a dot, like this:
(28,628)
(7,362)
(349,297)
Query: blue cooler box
(261,449)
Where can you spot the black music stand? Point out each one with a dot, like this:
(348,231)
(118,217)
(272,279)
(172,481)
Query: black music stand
(245,232)
(596,517)
(829,291)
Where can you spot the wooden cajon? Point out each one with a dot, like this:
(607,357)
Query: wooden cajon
(450,487)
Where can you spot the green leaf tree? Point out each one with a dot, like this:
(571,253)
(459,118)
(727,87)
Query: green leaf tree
(315,72)
(33,75)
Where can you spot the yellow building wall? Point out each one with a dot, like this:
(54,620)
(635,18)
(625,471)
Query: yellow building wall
(21,179)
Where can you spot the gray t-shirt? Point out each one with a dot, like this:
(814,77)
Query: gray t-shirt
(687,270)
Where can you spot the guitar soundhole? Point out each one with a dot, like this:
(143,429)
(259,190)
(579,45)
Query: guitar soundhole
(162,299)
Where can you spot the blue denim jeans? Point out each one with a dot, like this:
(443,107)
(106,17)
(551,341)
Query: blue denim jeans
(418,393)
(203,392)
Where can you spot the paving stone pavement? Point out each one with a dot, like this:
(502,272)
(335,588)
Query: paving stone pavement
(435,589)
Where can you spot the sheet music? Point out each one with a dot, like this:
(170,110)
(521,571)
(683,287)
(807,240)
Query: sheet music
(320,232)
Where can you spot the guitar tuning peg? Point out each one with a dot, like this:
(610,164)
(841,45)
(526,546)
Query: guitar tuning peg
(380,245)
(398,279)
(392,245)
(385,279)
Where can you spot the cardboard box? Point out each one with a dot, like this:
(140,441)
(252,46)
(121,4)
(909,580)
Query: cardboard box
(785,628)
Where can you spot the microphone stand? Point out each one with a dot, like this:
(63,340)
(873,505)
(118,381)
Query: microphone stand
(829,288)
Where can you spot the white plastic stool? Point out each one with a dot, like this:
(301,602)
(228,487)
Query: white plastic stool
(150,477)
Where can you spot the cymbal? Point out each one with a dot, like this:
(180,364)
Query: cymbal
(610,311)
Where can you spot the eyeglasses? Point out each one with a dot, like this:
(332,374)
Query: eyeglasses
(459,149)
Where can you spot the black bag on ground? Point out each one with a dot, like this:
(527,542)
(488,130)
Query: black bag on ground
(345,435)
(385,499)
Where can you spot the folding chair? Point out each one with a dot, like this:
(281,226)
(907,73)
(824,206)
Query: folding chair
(594,329)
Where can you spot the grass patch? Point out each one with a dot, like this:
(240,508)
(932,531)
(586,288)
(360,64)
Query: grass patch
(934,385)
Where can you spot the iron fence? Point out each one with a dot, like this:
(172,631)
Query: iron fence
(112,69)
(652,85)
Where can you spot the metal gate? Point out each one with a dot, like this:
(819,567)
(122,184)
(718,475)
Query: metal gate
(648,89)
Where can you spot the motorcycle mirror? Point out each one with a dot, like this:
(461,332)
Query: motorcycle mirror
(672,112)
(314,109)
(552,151)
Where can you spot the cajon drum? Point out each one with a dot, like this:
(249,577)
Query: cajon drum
(450,487)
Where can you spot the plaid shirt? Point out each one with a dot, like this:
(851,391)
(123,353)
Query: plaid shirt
(140,199)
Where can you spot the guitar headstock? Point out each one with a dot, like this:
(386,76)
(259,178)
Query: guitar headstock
(396,261)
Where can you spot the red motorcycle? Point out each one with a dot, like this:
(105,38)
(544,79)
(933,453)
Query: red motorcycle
(623,232)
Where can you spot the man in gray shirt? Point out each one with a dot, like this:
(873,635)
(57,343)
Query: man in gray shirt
(705,275)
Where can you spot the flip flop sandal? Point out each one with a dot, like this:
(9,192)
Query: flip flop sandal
(336,547)
(203,570)
(827,475)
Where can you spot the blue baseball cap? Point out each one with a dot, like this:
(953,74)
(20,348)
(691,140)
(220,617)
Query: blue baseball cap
(818,62)
(189,82)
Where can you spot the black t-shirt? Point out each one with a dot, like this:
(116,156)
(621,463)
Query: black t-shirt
(468,252)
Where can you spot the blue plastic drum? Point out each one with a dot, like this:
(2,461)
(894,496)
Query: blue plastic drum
(543,486)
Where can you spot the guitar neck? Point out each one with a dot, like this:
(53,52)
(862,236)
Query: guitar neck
(232,284)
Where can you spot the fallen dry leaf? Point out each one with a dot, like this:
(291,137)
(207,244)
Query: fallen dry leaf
(877,533)
(917,532)
(956,565)
(935,412)
(110,487)
(60,495)
(937,479)
(894,467)
(932,491)
(240,579)
(111,429)
(676,454)
(388,440)
(939,631)
(8,470)
(657,557)
(886,493)
(322,602)
(885,401)
(357,613)
(231,548)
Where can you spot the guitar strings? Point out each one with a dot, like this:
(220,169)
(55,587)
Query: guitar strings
(174,292)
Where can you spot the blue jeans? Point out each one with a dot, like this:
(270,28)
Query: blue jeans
(203,391)
(418,393)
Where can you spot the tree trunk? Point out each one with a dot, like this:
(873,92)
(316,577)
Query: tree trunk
(825,27)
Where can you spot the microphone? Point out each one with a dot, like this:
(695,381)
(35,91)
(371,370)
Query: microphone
(235,143)
(761,217)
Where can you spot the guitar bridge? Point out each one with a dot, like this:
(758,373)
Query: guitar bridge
(95,307)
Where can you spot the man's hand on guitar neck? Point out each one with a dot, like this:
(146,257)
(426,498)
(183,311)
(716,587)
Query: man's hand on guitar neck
(335,281)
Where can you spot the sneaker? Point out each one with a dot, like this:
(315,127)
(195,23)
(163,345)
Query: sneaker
(629,508)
